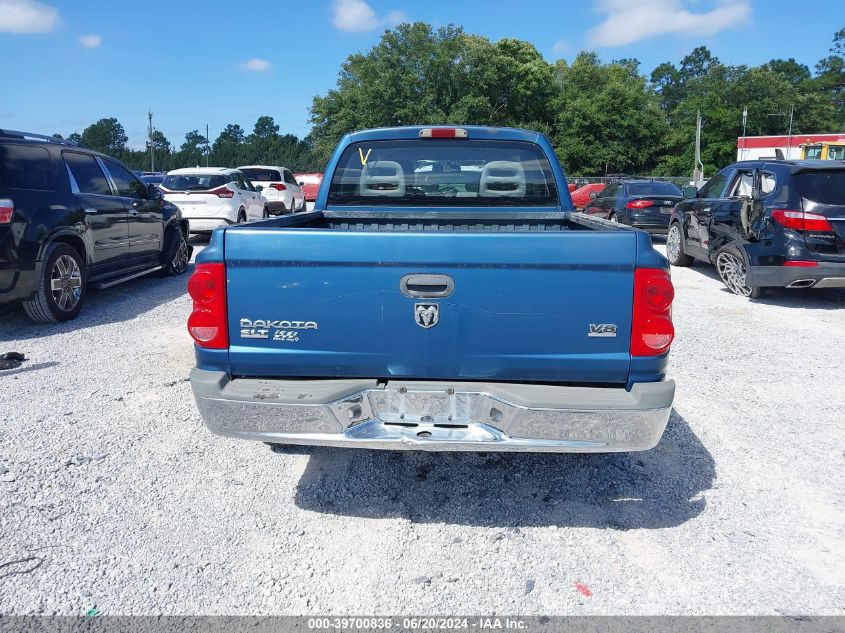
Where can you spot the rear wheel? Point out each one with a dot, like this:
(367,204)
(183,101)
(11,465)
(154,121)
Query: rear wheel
(241,216)
(61,289)
(731,266)
(613,218)
(266,213)
(675,247)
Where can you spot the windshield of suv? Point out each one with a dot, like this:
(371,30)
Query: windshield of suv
(443,172)
(194,182)
(654,189)
(824,187)
(256,174)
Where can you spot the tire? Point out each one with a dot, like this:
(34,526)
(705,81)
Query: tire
(242,216)
(613,218)
(266,213)
(732,267)
(64,269)
(178,263)
(675,246)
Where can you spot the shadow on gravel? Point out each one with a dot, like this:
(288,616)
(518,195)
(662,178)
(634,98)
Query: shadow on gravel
(27,368)
(112,305)
(654,489)
(800,298)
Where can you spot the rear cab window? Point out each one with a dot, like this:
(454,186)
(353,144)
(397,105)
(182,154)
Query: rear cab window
(443,172)
(653,189)
(25,167)
(256,174)
(824,186)
(195,182)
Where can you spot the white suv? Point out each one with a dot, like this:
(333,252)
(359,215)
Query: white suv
(210,197)
(283,193)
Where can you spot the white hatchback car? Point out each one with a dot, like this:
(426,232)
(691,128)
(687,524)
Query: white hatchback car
(283,193)
(210,197)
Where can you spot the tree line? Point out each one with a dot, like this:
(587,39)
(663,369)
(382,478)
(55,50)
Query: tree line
(602,117)
(233,147)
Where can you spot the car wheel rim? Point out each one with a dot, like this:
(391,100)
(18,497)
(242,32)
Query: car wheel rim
(673,243)
(180,260)
(66,283)
(732,271)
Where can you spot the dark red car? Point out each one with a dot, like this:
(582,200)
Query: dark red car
(581,196)
(310,184)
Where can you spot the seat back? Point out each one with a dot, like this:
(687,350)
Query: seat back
(382,178)
(502,178)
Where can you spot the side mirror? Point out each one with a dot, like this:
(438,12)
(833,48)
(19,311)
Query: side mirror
(301,183)
(155,192)
(690,192)
(593,195)
(259,188)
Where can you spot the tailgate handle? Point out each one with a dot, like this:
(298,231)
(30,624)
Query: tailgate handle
(427,286)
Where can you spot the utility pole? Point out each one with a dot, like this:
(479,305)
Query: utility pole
(207,148)
(150,142)
(789,133)
(744,122)
(698,169)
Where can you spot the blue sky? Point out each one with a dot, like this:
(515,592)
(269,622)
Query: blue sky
(66,64)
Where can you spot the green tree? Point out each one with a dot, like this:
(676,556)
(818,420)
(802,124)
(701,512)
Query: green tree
(265,128)
(107,136)
(228,150)
(720,92)
(192,152)
(416,75)
(608,117)
(830,73)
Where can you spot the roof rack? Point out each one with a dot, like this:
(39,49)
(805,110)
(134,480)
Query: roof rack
(38,137)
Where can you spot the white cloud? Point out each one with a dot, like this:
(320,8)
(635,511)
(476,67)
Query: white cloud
(561,48)
(628,21)
(357,15)
(257,65)
(90,41)
(394,18)
(27,16)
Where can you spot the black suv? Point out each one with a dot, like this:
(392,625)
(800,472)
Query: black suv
(72,217)
(766,223)
(644,204)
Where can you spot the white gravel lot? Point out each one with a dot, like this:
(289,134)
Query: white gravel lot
(114,497)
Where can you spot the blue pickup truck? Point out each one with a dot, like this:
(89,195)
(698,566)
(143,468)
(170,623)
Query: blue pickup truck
(441,296)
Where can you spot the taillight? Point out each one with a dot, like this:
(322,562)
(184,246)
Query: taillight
(651,329)
(207,323)
(802,221)
(800,263)
(277,186)
(7,208)
(638,204)
(443,132)
(222,192)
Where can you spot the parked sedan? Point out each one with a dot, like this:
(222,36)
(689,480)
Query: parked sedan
(581,196)
(644,204)
(763,224)
(283,193)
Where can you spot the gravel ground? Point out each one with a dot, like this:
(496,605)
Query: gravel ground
(114,497)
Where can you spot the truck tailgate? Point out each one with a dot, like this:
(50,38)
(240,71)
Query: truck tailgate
(533,306)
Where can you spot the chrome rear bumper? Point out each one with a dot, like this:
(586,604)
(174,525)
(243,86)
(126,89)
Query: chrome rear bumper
(434,416)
